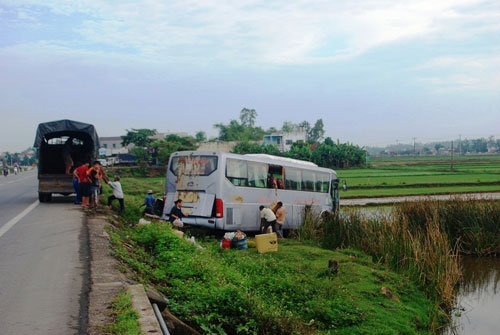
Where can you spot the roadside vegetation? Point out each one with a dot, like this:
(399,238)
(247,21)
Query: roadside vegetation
(413,250)
(422,175)
(421,240)
(421,253)
(289,292)
(126,319)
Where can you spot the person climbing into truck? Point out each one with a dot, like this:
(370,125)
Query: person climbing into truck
(66,153)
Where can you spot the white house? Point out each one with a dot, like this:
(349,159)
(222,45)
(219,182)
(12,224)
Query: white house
(283,141)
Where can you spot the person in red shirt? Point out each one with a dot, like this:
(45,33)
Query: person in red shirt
(83,185)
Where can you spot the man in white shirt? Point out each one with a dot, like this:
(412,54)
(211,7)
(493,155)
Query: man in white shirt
(267,218)
(117,193)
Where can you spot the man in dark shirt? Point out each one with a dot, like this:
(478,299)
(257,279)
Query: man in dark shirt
(176,212)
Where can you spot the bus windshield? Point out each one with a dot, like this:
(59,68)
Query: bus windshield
(193,165)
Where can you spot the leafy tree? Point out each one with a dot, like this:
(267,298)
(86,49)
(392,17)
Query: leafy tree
(305,125)
(288,127)
(339,155)
(316,133)
(247,147)
(247,117)
(172,143)
(300,150)
(480,145)
(438,146)
(139,137)
(231,132)
(200,136)
(271,130)
(329,141)
(235,131)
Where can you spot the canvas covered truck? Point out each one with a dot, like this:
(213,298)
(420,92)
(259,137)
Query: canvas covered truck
(60,143)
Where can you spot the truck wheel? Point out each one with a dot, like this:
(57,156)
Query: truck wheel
(44,197)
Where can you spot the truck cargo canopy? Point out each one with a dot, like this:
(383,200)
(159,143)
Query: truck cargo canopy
(70,128)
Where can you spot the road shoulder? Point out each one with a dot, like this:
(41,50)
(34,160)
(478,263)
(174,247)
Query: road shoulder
(106,281)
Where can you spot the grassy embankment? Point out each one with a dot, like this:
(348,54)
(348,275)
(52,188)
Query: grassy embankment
(125,317)
(421,240)
(423,175)
(289,292)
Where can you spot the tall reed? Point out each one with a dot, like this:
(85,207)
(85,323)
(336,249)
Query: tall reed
(472,225)
(421,252)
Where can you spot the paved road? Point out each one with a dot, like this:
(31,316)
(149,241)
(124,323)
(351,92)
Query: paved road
(43,261)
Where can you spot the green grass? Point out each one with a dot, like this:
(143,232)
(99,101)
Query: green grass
(126,319)
(423,175)
(289,292)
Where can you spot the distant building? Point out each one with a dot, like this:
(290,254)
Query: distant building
(283,141)
(113,146)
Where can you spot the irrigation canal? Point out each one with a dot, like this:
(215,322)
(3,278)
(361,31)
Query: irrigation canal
(478,297)
(478,300)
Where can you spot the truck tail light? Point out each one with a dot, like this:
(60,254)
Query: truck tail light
(219,208)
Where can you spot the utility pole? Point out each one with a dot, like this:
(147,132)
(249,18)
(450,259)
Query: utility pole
(451,155)
(460,145)
(414,151)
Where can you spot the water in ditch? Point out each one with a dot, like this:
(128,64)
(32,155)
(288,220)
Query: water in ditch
(478,300)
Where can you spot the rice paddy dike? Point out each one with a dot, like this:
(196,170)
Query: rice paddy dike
(400,176)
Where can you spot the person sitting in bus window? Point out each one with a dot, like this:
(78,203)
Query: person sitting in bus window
(271,182)
(280,184)
(267,218)
(176,214)
(280,218)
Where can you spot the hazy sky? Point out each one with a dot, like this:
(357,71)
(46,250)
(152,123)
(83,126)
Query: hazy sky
(375,71)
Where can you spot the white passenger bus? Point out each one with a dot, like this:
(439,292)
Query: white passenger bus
(224,191)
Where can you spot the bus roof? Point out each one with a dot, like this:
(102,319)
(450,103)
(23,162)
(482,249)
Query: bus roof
(282,159)
(269,159)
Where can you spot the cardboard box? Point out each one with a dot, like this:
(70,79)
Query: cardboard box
(266,243)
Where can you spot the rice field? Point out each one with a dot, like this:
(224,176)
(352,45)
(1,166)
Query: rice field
(423,175)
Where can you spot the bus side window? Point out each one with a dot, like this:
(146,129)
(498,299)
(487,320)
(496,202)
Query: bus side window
(257,175)
(236,172)
(293,179)
(322,182)
(308,178)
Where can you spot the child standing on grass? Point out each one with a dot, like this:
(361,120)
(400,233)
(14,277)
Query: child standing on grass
(117,193)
